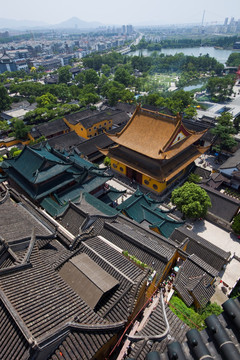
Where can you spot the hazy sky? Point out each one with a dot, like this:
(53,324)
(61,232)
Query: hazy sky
(121,12)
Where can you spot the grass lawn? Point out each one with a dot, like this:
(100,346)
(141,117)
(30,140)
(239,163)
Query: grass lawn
(159,82)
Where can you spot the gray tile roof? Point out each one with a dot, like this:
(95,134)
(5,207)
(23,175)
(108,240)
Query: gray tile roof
(232,161)
(193,282)
(154,326)
(223,206)
(220,340)
(66,141)
(205,250)
(17,222)
(49,129)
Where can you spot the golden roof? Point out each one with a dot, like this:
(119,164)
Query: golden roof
(155,135)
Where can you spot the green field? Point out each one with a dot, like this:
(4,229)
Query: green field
(159,82)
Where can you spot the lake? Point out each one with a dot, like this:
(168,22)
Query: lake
(218,54)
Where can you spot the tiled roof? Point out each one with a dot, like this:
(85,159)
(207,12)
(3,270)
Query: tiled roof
(76,117)
(154,326)
(42,171)
(205,250)
(13,343)
(155,168)
(194,282)
(223,206)
(49,129)
(232,161)
(90,147)
(220,340)
(17,222)
(162,130)
(66,141)
(45,307)
(140,208)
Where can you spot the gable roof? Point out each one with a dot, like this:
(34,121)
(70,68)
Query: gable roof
(158,140)
(17,222)
(195,244)
(223,206)
(193,281)
(140,208)
(231,162)
(49,129)
(66,141)
(87,278)
(43,170)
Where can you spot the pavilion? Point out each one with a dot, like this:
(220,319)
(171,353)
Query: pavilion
(154,149)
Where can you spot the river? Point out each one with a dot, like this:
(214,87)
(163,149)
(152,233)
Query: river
(218,54)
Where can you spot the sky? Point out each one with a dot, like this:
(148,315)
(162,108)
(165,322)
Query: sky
(158,12)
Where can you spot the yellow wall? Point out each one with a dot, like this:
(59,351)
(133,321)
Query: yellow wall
(152,183)
(119,167)
(31,137)
(13,142)
(89,132)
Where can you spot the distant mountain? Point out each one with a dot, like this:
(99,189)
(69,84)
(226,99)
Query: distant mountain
(6,24)
(73,23)
(76,23)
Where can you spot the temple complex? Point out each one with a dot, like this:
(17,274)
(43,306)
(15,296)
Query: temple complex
(154,149)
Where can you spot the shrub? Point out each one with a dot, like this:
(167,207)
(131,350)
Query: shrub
(236,224)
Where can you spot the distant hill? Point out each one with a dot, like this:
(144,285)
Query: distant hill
(76,23)
(73,23)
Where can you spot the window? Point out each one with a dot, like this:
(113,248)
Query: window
(105,124)
(115,166)
(109,122)
(89,130)
(100,126)
(121,168)
(146,182)
(95,134)
(155,186)
(95,127)
(81,129)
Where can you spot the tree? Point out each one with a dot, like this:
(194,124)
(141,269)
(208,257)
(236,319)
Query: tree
(122,76)
(224,131)
(194,178)
(5,100)
(46,100)
(64,74)
(220,88)
(106,70)
(91,77)
(107,161)
(233,59)
(190,112)
(20,130)
(236,224)
(4,125)
(191,200)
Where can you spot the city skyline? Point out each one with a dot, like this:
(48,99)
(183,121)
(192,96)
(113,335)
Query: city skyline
(156,13)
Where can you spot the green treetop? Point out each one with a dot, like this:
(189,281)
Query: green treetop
(224,131)
(191,200)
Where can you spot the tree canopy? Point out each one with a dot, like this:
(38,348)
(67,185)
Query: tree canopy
(236,224)
(233,59)
(64,74)
(224,131)
(191,200)
(5,100)
(220,88)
